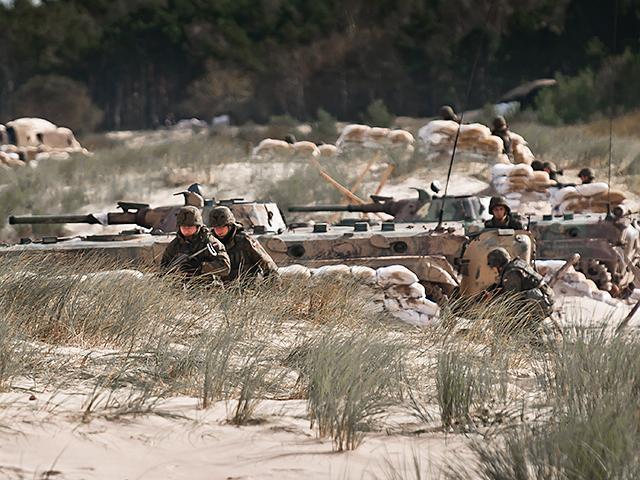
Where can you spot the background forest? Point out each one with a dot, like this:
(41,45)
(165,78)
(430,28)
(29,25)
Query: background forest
(131,64)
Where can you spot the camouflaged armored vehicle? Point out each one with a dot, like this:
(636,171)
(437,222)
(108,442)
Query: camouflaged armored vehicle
(443,257)
(609,246)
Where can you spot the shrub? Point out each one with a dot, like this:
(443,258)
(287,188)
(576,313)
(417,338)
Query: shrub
(378,115)
(352,380)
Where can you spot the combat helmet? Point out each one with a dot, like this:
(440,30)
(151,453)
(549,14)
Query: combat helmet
(447,113)
(500,123)
(498,257)
(499,201)
(189,216)
(221,216)
(586,172)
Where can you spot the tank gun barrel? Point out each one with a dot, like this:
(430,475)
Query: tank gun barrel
(113,218)
(367,207)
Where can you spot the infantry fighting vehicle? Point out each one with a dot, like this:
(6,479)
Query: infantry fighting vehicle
(609,246)
(443,257)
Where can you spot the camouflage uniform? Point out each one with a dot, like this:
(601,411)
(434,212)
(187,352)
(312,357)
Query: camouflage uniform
(518,278)
(501,129)
(248,258)
(510,220)
(199,255)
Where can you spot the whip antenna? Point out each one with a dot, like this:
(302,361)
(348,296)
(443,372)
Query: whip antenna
(464,106)
(611,105)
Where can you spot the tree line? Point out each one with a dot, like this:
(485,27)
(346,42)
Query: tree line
(138,63)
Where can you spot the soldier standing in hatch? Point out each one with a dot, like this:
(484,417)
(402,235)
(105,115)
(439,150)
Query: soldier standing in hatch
(502,216)
(501,129)
(248,258)
(518,278)
(195,252)
(586,176)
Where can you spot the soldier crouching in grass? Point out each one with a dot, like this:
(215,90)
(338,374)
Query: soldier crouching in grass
(195,253)
(249,260)
(532,298)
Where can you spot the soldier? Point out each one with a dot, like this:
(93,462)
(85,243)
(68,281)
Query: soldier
(501,129)
(290,138)
(502,216)
(586,176)
(248,258)
(447,113)
(518,278)
(195,252)
(537,166)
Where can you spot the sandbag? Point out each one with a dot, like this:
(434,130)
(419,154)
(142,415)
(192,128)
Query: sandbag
(415,290)
(522,154)
(399,136)
(294,271)
(306,149)
(421,305)
(272,147)
(377,135)
(591,189)
(517,140)
(353,133)
(501,170)
(395,275)
(408,316)
(328,150)
(521,169)
(366,275)
(331,271)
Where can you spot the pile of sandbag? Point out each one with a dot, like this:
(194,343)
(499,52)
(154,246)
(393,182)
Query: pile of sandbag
(396,288)
(357,136)
(589,198)
(572,282)
(271,149)
(520,183)
(10,160)
(475,141)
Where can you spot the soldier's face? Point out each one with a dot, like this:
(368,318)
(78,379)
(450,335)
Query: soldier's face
(499,212)
(188,231)
(221,231)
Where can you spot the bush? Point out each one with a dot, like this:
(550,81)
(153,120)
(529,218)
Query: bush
(378,115)
(324,128)
(61,100)
(573,99)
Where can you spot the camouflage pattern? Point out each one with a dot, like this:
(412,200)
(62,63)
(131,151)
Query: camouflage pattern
(532,293)
(200,254)
(248,258)
(221,216)
(189,216)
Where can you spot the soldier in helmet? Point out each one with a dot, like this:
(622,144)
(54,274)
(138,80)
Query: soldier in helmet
(518,278)
(500,128)
(447,113)
(248,258)
(502,216)
(195,252)
(586,176)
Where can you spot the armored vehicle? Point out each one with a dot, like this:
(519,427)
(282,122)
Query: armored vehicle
(442,256)
(424,209)
(609,246)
